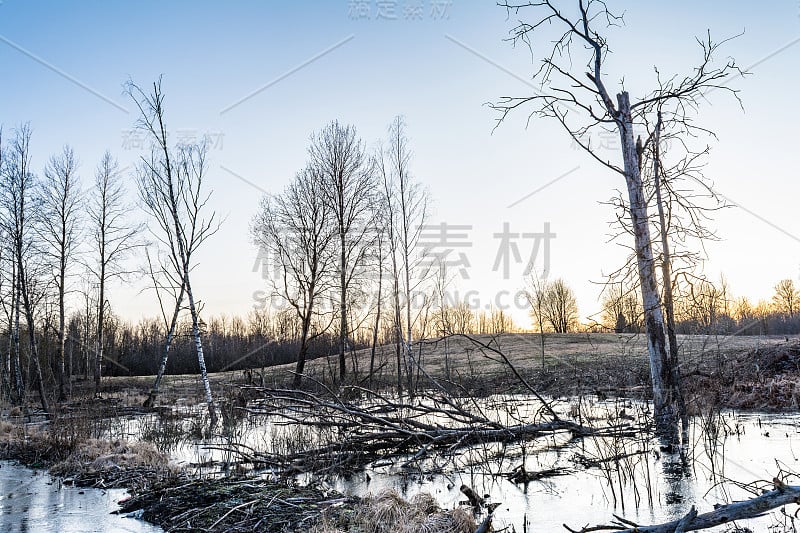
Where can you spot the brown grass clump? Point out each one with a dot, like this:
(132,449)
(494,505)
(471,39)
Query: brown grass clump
(63,448)
(114,464)
(388,512)
(766,378)
(100,455)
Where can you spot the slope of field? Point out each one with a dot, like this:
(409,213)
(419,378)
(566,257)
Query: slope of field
(734,371)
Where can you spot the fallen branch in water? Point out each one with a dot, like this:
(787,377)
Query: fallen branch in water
(520,475)
(353,434)
(723,514)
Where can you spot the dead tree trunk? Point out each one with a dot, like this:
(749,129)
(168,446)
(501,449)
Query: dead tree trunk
(666,275)
(583,107)
(660,371)
(724,514)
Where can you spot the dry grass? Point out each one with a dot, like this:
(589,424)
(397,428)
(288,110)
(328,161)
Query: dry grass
(388,512)
(100,455)
(596,363)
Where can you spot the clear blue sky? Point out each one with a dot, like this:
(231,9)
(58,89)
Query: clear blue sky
(63,61)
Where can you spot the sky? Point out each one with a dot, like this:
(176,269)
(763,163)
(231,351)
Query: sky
(258,78)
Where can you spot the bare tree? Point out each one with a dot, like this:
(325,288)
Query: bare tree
(582,105)
(171,188)
(553,306)
(7,285)
(297,230)
(702,303)
(19,201)
(388,208)
(560,306)
(59,229)
(114,238)
(786,297)
(536,295)
(347,184)
(406,205)
(379,257)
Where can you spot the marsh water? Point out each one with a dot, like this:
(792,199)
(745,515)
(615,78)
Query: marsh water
(586,480)
(32,501)
(648,489)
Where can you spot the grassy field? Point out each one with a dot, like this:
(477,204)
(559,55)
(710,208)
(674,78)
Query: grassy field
(597,363)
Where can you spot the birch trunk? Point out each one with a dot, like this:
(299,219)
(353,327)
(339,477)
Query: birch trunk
(198,343)
(660,373)
(162,366)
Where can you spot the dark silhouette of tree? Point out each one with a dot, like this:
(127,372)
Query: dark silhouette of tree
(346,177)
(114,238)
(297,231)
(786,297)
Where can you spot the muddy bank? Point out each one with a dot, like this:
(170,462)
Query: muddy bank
(252,504)
(765,378)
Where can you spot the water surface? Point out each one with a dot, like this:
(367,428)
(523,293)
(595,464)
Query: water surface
(33,501)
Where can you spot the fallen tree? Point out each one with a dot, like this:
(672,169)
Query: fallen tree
(344,434)
(781,495)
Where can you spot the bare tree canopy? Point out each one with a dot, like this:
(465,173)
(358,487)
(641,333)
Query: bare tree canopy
(553,306)
(582,103)
(786,297)
(404,206)
(20,204)
(347,184)
(297,232)
(59,229)
(114,237)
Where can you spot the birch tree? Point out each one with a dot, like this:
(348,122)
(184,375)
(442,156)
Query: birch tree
(536,295)
(412,210)
(583,104)
(7,286)
(171,187)
(114,237)
(60,222)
